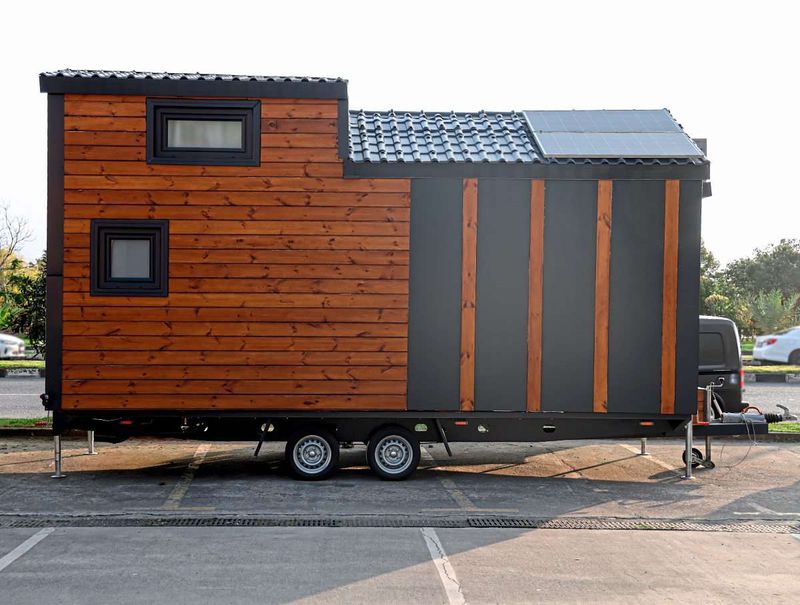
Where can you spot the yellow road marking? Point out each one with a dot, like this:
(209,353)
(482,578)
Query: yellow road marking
(651,457)
(175,498)
(458,496)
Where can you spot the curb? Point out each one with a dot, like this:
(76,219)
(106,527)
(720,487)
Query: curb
(22,373)
(773,437)
(789,377)
(35,431)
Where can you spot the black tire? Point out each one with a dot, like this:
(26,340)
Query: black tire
(794,358)
(697,457)
(312,454)
(393,453)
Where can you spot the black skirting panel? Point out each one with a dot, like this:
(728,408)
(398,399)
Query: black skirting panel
(688,298)
(636,294)
(434,322)
(501,307)
(570,217)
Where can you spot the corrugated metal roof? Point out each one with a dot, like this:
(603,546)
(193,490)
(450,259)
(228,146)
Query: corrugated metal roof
(151,75)
(391,136)
(448,137)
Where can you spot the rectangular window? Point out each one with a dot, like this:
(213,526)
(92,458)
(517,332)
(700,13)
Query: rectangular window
(712,350)
(129,258)
(189,131)
(204,134)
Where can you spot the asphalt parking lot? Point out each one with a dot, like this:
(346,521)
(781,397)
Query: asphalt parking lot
(142,520)
(19,397)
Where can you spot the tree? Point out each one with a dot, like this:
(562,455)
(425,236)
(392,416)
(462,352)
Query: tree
(25,304)
(709,281)
(776,267)
(773,311)
(14,232)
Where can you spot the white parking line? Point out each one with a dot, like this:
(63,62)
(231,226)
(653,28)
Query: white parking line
(447,575)
(769,511)
(25,547)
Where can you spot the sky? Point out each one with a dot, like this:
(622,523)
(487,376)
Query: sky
(726,70)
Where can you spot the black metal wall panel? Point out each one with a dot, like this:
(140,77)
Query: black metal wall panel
(434,322)
(55,252)
(570,217)
(501,307)
(636,288)
(688,298)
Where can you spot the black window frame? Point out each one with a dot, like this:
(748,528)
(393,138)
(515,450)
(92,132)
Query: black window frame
(159,111)
(102,231)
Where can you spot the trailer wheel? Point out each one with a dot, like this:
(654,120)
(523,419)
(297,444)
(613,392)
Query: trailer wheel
(393,453)
(697,457)
(312,454)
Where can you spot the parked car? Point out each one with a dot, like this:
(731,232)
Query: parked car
(721,361)
(11,347)
(781,347)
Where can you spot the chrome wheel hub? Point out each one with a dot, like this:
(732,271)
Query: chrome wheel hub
(393,454)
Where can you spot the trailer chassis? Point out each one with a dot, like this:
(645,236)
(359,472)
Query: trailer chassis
(312,434)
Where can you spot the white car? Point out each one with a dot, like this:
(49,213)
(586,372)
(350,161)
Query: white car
(11,347)
(781,347)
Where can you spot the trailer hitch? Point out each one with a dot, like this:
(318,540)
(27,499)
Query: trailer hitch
(787,415)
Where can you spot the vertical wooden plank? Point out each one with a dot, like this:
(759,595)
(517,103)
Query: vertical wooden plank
(602,278)
(535,272)
(469,259)
(672,193)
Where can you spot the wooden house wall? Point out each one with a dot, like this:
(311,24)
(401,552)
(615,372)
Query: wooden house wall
(288,284)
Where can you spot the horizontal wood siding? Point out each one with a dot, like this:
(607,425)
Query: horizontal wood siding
(288,284)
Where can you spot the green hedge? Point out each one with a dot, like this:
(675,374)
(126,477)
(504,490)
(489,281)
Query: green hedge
(785,427)
(13,364)
(777,369)
(23,422)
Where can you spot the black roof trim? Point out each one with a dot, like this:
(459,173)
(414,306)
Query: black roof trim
(698,172)
(67,81)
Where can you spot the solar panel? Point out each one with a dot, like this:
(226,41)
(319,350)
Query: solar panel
(617,145)
(625,120)
(610,134)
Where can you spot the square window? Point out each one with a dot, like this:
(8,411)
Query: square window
(213,132)
(129,258)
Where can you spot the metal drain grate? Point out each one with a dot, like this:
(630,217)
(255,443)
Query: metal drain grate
(638,524)
(478,522)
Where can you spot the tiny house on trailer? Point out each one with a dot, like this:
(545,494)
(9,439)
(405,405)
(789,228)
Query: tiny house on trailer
(242,257)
